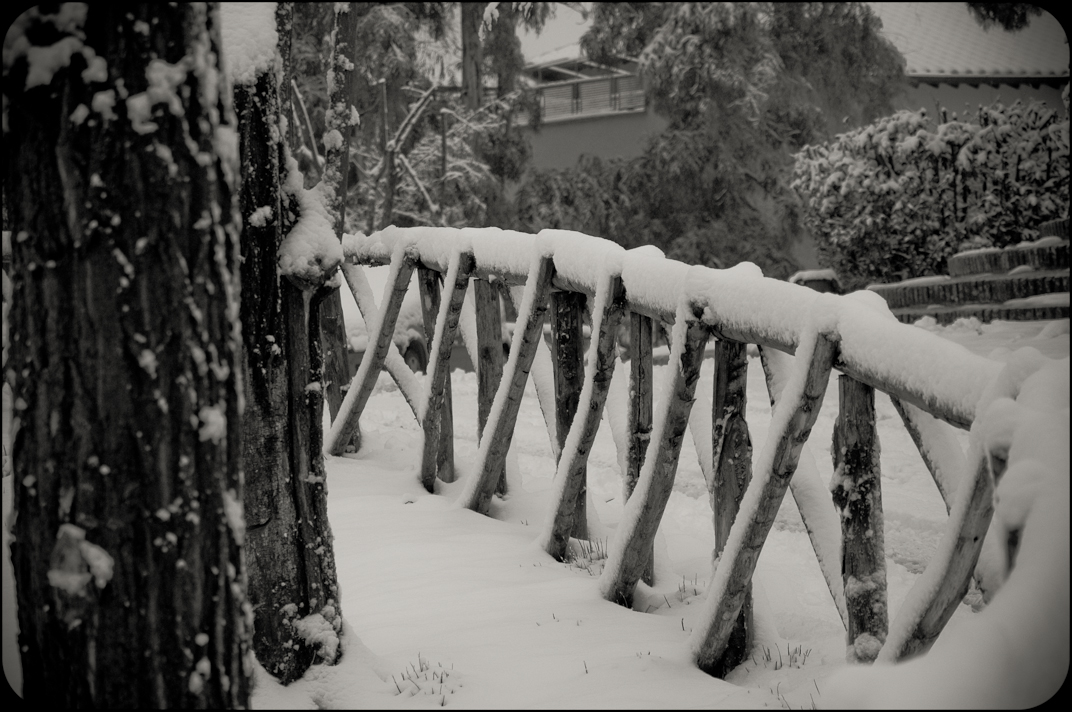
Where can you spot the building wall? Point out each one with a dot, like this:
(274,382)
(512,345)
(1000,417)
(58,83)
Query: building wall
(962,97)
(559,144)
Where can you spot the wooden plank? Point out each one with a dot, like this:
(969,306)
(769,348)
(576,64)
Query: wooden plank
(407,382)
(857,494)
(489,365)
(491,458)
(640,414)
(939,590)
(435,412)
(347,422)
(567,358)
(731,458)
(753,523)
(571,469)
(810,493)
(428,281)
(632,543)
(937,446)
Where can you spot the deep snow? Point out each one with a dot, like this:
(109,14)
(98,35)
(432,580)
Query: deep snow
(498,623)
(475,598)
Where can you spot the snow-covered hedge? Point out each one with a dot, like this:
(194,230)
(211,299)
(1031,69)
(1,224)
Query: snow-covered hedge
(895,199)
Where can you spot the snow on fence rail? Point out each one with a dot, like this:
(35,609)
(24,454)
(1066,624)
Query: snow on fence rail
(802,336)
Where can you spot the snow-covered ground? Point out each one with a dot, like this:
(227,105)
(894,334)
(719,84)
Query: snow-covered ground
(447,607)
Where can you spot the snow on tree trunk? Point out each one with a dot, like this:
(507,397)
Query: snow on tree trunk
(292,572)
(790,426)
(631,550)
(857,494)
(339,119)
(567,349)
(125,358)
(731,464)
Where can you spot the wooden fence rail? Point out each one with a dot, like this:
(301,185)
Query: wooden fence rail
(802,337)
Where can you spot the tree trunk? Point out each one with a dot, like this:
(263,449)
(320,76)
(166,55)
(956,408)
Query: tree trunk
(281,587)
(567,351)
(127,542)
(858,498)
(731,448)
(472,55)
(336,171)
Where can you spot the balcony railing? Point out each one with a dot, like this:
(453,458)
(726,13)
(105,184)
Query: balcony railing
(576,98)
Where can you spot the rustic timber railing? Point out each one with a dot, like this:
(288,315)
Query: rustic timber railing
(802,336)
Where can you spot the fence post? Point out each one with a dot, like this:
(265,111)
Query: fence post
(858,496)
(567,358)
(779,462)
(640,413)
(346,422)
(569,479)
(633,541)
(429,280)
(731,449)
(437,422)
(491,457)
(489,348)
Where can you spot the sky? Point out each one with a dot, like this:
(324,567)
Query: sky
(564,29)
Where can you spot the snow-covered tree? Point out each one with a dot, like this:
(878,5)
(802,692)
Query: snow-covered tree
(743,85)
(289,249)
(125,360)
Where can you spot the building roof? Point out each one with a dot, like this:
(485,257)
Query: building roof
(942,40)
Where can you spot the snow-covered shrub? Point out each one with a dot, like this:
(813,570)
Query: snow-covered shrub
(895,199)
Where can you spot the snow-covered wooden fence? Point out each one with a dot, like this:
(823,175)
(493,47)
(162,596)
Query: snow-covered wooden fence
(802,336)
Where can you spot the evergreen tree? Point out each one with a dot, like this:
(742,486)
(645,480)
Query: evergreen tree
(744,85)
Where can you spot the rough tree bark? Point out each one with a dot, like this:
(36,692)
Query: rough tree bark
(340,119)
(291,566)
(127,542)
